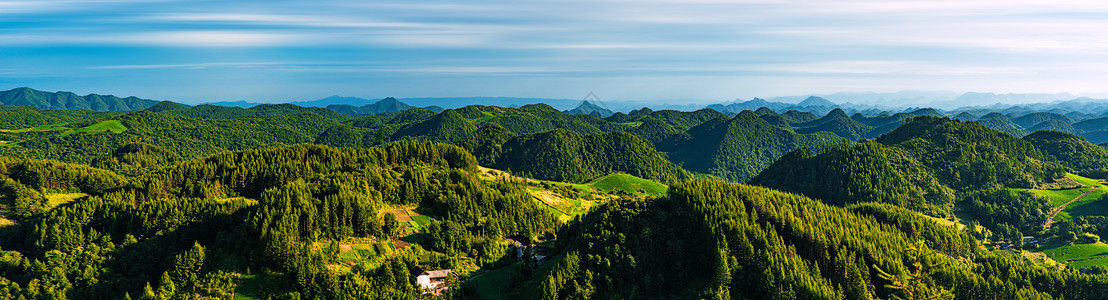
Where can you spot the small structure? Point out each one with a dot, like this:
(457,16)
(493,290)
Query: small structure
(517,250)
(1003,245)
(432,282)
(1027,240)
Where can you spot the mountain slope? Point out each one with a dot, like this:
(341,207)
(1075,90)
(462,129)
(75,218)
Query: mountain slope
(1002,123)
(384,105)
(716,240)
(1073,151)
(229,112)
(835,122)
(938,166)
(66,100)
(563,155)
(587,108)
(1028,120)
(736,148)
(1053,125)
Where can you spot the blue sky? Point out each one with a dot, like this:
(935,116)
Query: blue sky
(665,51)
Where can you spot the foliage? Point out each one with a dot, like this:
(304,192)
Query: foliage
(711,239)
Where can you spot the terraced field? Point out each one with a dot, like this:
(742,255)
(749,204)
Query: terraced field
(1078,255)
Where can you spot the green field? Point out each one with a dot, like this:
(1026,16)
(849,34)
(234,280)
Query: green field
(567,200)
(248,289)
(627,183)
(110,125)
(1078,255)
(53,200)
(114,126)
(494,284)
(1085,181)
(60,126)
(419,221)
(1089,205)
(1056,197)
(580,198)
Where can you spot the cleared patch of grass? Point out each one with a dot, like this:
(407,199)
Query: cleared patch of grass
(1078,255)
(247,288)
(420,220)
(1098,207)
(49,127)
(1089,205)
(629,184)
(1085,180)
(248,201)
(942,221)
(1056,197)
(53,200)
(494,284)
(114,126)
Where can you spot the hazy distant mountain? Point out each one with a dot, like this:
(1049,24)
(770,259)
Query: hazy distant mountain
(384,105)
(751,105)
(335,100)
(813,104)
(166,106)
(902,98)
(458,102)
(242,104)
(66,100)
(816,101)
(587,108)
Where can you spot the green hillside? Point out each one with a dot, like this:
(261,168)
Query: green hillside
(737,148)
(187,137)
(288,202)
(938,166)
(562,155)
(273,213)
(66,100)
(1073,151)
(715,239)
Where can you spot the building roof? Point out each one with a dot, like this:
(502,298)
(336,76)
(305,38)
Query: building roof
(440,273)
(416,272)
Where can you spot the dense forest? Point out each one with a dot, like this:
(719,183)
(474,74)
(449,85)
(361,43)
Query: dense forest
(288,202)
(194,229)
(718,240)
(937,166)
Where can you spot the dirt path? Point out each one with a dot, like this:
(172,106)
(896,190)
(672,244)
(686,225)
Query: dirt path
(1056,210)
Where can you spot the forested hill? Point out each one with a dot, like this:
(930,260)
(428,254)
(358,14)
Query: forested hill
(287,202)
(718,240)
(225,112)
(1074,151)
(91,141)
(939,166)
(563,155)
(66,100)
(703,141)
(737,148)
(259,223)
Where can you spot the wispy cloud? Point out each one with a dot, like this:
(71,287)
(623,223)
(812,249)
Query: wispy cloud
(1003,44)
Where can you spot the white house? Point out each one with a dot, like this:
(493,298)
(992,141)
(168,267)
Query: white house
(431,281)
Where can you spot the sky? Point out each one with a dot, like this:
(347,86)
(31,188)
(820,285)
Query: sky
(665,51)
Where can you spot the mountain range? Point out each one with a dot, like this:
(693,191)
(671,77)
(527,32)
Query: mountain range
(808,201)
(66,100)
